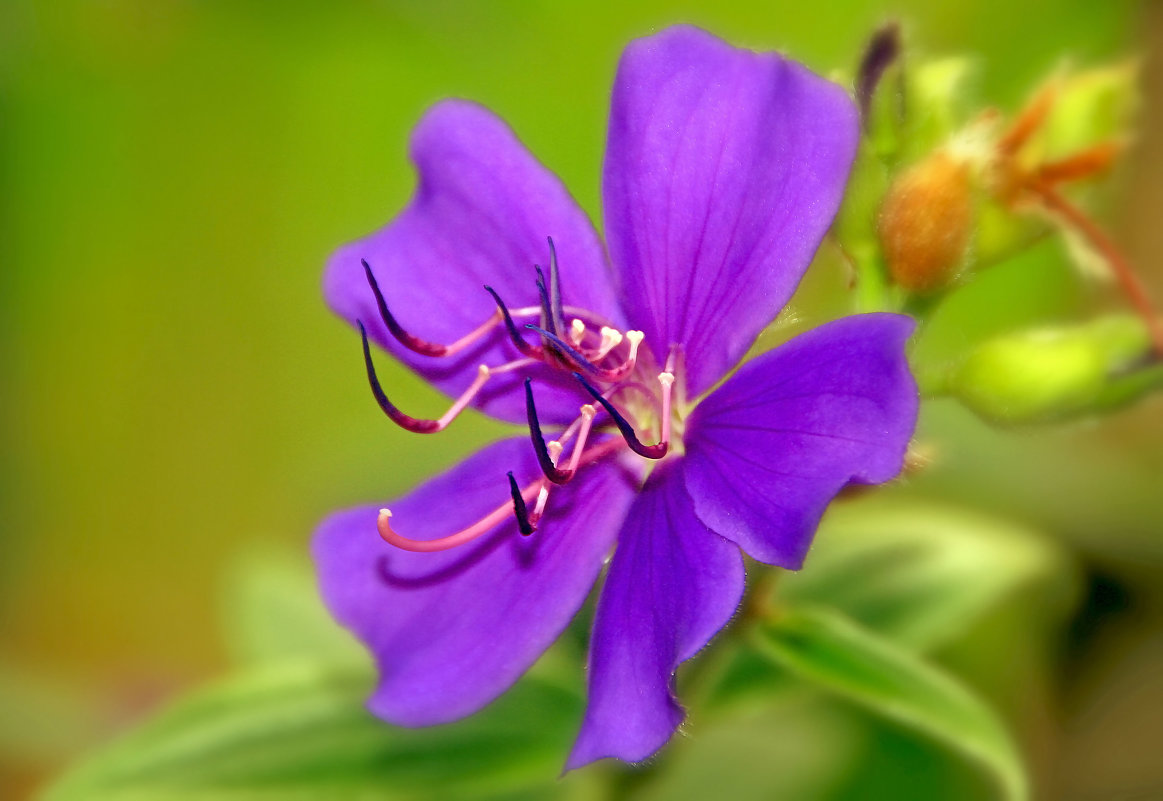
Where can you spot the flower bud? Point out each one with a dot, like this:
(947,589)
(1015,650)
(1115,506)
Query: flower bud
(1054,374)
(925,222)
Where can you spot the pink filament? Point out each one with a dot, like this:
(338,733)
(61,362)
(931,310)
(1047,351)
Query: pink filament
(584,423)
(487,326)
(493,518)
(667,381)
(465,535)
(615,374)
(484,373)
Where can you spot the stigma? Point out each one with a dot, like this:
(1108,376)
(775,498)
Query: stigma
(613,372)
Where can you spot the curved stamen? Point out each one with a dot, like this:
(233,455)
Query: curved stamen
(424,347)
(585,421)
(579,360)
(398,417)
(409,341)
(543,457)
(532,351)
(465,535)
(414,424)
(519,509)
(537,489)
(627,430)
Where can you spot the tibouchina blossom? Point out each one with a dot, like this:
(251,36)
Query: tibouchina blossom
(723,170)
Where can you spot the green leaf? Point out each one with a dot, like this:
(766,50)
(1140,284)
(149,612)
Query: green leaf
(302,732)
(835,654)
(798,746)
(272,611)
(923,574)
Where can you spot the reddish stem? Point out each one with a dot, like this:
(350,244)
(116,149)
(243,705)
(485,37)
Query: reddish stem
(1132,285)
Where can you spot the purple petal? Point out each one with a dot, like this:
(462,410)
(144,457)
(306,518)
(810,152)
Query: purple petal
(769,449)
(672,584)
(723,171)
(452,630)
(480,215)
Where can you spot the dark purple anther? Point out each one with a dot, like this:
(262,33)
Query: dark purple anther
(624,427)
(520,511)
(551,470)
(398,417)
(532,351)
(556,309)
(412,343)
(547,320)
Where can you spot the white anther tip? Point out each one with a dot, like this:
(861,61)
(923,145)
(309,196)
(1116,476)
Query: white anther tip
(578,326)
(635,337)
(385,513)
(666,379)
(588,411)
(483,370)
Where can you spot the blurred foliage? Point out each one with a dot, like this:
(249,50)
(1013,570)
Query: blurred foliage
(293,725)
(301,732)
(922,575)
(827,650)
(174,174)
(1051,374)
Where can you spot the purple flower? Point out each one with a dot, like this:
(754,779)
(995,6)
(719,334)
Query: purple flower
(723,170)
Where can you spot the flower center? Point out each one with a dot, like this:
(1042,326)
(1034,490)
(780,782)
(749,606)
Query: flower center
(610,366)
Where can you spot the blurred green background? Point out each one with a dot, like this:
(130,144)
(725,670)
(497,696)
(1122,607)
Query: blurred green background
(173,175)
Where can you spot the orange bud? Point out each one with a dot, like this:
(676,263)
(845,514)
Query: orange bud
(925,221)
